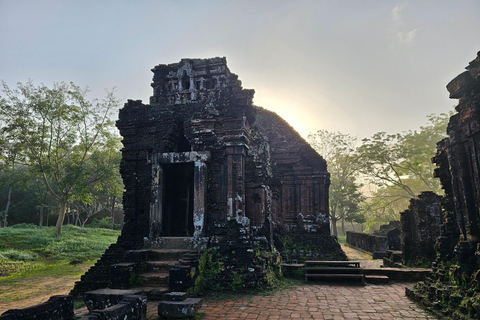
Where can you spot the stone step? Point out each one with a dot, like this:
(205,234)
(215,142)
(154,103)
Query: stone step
(403,274)
(336,276)
(153,293)
(189,243)
(155,254)
(377,279)
(177,243)
(162,266)
(333,263)
(339,270)
(154,279)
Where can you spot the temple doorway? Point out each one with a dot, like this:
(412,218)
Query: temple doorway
(177,218)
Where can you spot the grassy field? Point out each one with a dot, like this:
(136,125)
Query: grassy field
(36,263)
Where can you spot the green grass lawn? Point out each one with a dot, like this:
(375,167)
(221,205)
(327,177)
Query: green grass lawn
(27,250)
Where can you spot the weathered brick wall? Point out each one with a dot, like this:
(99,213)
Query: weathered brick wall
(453,285)
(420,228)
(368,242)
(300,181)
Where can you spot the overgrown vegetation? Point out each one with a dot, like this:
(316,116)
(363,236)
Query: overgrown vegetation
(212,275)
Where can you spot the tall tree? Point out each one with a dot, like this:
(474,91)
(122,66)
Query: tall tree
(60,132)
(338,150)
(13,172)
(398,167)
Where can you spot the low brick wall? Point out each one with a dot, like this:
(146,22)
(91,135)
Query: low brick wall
(57,307)
(367,242)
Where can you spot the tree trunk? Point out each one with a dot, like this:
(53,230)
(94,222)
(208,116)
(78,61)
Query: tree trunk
(334,227)
(5,220)
(343,227)
(113,212)
(40,223)
(61,217)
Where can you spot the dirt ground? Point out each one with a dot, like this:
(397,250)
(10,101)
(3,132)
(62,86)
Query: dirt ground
(34,290)
(365,259)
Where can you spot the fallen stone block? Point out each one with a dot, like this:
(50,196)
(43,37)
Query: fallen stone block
(132,307)
(104,298)
(179,309)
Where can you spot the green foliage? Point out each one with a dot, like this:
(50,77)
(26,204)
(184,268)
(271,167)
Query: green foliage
(105,222)
(338,150)
(299,273)
(209,268)
(77,304)
(342,239)
(24,226)
(64,138)
(398,167)
(135,280)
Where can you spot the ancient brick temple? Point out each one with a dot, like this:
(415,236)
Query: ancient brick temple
(454,286)
(201,156)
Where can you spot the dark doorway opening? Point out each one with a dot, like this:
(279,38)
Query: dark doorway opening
(177,218)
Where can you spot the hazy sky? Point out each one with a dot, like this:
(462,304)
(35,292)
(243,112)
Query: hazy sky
(355,66)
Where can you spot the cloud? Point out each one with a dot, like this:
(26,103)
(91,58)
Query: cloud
(396,13)
(401,28)
(404,37)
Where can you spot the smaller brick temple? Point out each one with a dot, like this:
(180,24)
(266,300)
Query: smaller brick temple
(201,156)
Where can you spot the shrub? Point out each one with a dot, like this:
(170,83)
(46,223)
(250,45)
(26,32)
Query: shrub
(105,223)
(24,226)
(15,255)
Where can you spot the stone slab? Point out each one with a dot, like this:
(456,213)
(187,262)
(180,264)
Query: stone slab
(175,296)
(179,309)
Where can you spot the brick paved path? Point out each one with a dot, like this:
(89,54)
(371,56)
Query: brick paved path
(316,301)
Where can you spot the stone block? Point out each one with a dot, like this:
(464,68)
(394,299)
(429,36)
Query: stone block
(57,307)
(179,309)
(175,296)
(104,298)
(133,307)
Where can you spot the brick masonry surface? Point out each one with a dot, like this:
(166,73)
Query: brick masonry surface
(333,302)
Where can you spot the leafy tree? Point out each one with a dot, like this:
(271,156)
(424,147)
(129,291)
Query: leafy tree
(14,174)
(398,167)
(98,196)
(60,133)
(338,150)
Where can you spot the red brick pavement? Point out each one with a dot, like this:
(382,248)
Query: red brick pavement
(315,301)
